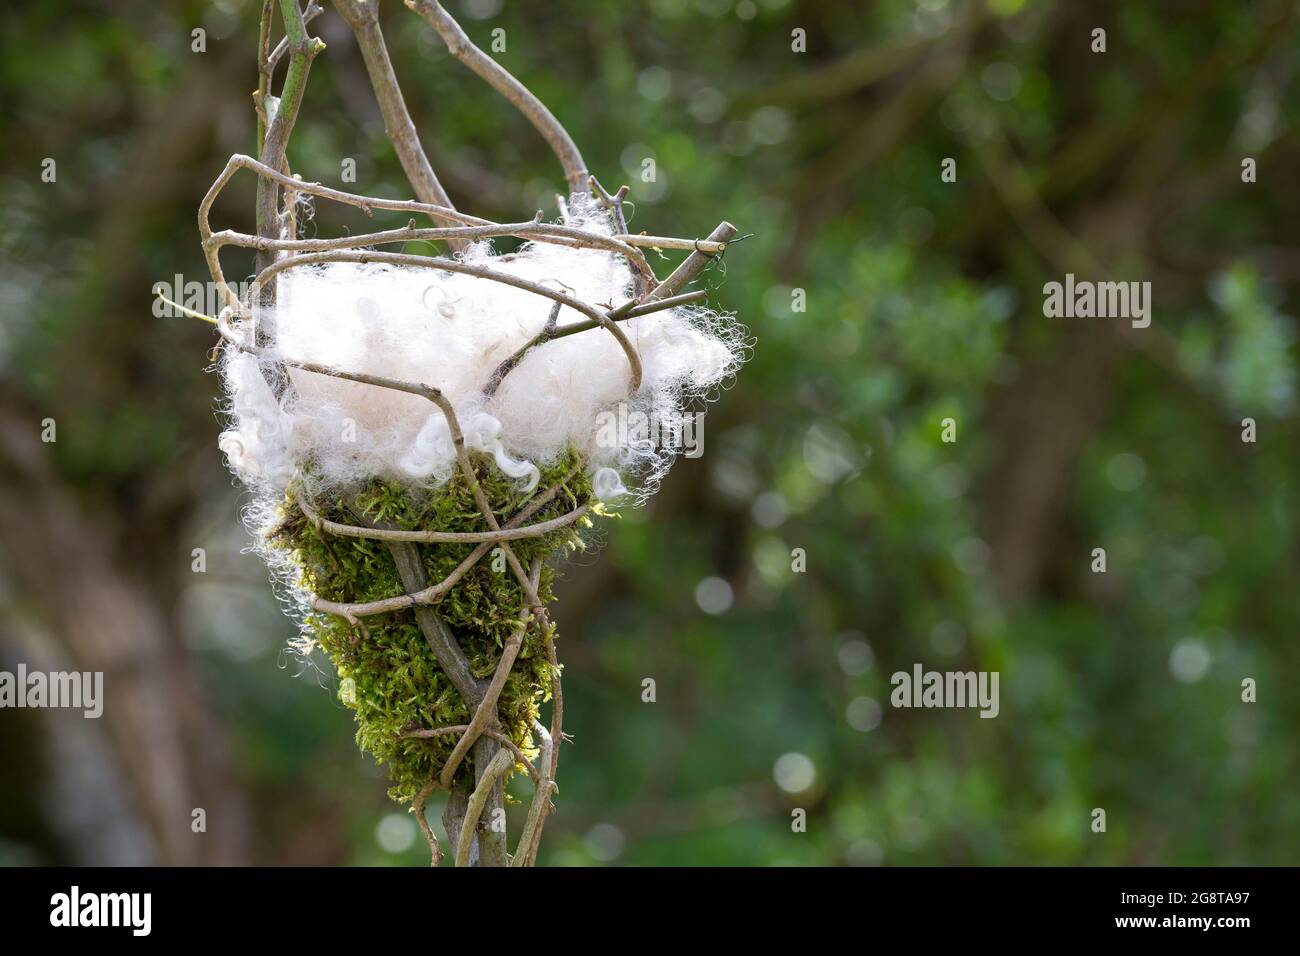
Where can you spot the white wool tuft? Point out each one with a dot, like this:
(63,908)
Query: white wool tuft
(452,331)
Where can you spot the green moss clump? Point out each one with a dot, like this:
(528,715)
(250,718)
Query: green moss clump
(391,677)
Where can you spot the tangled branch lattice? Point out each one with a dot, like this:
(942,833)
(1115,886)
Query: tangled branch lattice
(279,249)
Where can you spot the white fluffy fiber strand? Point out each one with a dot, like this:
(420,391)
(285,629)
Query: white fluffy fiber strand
(452,331)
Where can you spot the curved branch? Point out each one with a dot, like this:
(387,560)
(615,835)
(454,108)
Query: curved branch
(496,735)
(462,48)
(694,264)
(485,713)
(526,849)
(363,18)
(550,332)
(302,50)
(495,770)
(436,537)
(538,231)
(452,265)
(417,805)
(433,594)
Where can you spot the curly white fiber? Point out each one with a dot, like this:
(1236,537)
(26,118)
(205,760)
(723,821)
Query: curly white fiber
(452,331)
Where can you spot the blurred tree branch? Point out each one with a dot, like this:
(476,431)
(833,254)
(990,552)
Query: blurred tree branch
(85,594)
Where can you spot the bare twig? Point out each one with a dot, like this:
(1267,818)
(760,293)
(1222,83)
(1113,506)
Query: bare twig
(417,806)
(550,332)
(264,71)
(313,10)
(443,537)
(604,320)
(705,246)
(615,205)
(526,850)
(693,264)
(496,735)
(556,737)
(485,712)
(435,593)
(498,767)
(462,48)
(302,50)
(538,231)
(507,366)
(363,18)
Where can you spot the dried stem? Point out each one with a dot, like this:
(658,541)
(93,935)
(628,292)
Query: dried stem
(550,332)
(313,10)
(462,48)
(499,765)
(526,851)
(694,264)
(602,319)
(538,231)
(485,712)
(417,806)
(557,738)
(498,736)
(302,50)
(442,537)
(427,596)
(615,205)
(363,18)
(704,246)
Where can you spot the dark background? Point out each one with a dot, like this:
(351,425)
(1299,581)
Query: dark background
(923,301)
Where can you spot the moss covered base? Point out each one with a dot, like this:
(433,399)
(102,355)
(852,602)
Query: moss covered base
(390,676)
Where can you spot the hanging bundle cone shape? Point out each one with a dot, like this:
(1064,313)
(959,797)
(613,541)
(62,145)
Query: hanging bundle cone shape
(425,439)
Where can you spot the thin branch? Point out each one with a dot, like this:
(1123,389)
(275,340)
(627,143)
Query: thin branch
(604,320)
(694,264)
(557,738)
(615,205)
(495,770)
(550,332)
(264,71)
(507,366)
(613,202)
(462,48)
(433,594)
(526,849)
(647,308)
(363,18)
(302,50)
(430,537)
(485,712)
(417,806)
(539,231)
(705,246)
(498,736)
(313,10)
